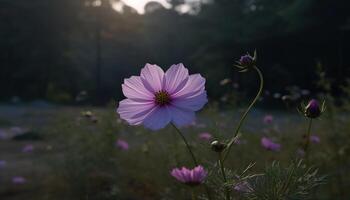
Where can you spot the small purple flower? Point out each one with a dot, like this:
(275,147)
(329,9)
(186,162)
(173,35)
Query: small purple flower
(157,98)
(246,60)
(268,119)
(28,148)
(313,110)
(18,180)
(243,187)
(205,136)
(269,144)
(3,163)
(191,177)
(315,139)
(122,144)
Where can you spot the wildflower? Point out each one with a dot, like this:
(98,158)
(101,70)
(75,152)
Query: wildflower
(315,139)
(155,98)
(18,180)
(218,146)
(28,148)
(269,144)
(122,144)
(191,177)
(268,119)
(246,61)
(205,136)
(313,109)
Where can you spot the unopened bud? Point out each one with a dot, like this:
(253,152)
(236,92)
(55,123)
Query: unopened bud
(217,146)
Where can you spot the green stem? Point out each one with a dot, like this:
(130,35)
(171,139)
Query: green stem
(240,123)
(224,176)
(307,144)
(193,195)
(187,145)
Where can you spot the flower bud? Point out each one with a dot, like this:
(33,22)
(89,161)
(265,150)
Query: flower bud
(217,146)
(246,62)
(313,109)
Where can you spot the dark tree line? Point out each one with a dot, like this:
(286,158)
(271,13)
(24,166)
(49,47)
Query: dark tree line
(55,49)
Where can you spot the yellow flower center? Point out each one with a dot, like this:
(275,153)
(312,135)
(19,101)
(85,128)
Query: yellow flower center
(162,98)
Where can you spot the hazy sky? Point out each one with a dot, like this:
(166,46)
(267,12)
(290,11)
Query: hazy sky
(139,5)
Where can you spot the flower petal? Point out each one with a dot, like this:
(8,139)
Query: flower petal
(152,77)
(176,78)
(158,119)
(134,112)
(194,86)
(133,88)
(181,117)
(192,103)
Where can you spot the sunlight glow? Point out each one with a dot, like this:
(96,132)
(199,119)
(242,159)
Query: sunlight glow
(139,5)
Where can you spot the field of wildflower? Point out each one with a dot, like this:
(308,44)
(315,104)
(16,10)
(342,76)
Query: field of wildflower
(167,140)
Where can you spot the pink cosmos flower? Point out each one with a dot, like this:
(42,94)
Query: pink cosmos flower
(315,139)
(205,136)
(122,144)
(18,180)
(28,148)
(155,98)
(268,119)
(190,177)
(269,144)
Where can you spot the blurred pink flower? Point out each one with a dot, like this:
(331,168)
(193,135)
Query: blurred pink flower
(28,148)
(155,98)
(269,144)
(268,119)
(315,139)
(18,180)
(122,144)
(190,177)
(205,136)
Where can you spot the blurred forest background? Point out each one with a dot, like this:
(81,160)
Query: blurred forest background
(60,49)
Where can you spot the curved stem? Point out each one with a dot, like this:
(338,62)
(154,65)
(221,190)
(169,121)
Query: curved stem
(224,176)
(193,195)
(187,145)
(240,123)
(307,144)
